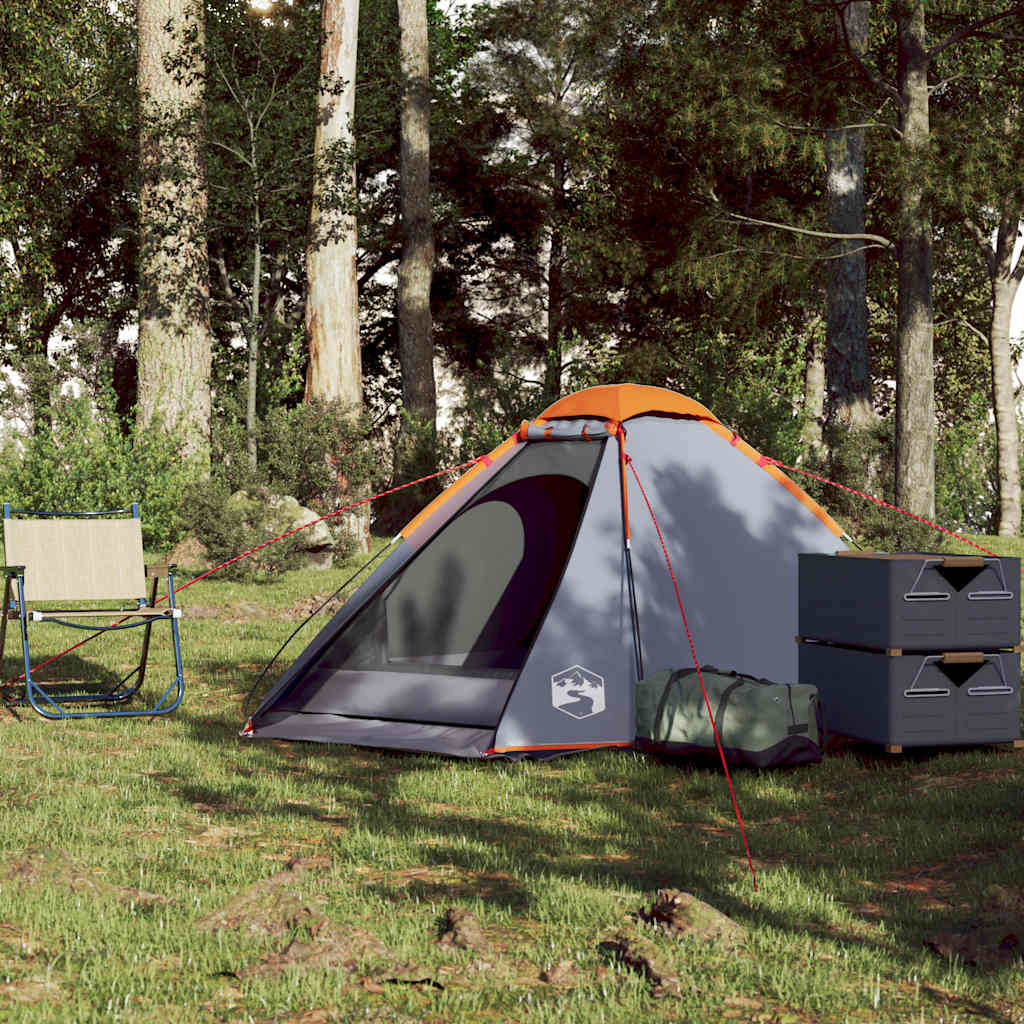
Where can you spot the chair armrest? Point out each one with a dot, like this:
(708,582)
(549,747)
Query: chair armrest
(160,570)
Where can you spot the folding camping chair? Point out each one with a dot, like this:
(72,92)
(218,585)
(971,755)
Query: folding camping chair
(81,560)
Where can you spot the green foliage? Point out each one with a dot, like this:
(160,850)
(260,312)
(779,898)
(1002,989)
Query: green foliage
(89,463)
(67,167)
(229,523)
(966,495)
(312,452)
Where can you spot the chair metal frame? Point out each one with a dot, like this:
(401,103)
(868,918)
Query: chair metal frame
(49,699)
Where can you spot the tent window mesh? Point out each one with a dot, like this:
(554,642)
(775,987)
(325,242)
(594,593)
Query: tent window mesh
(471,601)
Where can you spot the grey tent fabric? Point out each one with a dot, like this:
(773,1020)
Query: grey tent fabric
(502,624)
(734,535)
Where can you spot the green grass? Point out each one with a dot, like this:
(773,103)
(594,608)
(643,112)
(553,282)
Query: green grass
(858,859)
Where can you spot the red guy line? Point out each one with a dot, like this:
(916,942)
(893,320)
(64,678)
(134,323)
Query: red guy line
(696,662)
(878,501)
(259,547)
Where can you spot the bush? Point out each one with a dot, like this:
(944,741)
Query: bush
(312,453)
(229,523)
(86,463)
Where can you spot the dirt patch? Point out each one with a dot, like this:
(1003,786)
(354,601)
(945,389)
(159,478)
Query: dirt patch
(992,938)
(561,975)
(307,606)
(274,906)
(56,869)
(461,930)
(220,836)
(682,915)
(37,989)
(445,881)
(641,954)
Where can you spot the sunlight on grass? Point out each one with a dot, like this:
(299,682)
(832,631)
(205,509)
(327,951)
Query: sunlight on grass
(121,837)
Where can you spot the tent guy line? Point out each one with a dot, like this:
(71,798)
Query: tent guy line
(883,504)
(273,540)
(696,661)
(485,459)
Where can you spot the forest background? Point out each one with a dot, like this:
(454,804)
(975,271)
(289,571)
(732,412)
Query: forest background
(253,241)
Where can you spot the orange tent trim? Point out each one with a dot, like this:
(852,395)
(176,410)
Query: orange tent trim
(620,402)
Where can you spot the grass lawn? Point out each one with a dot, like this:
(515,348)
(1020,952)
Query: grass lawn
(170,870)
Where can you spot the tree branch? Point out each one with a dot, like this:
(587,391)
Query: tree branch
(788,255)
(984,243)
(865,69)
(237,154)
(879,241)
(822,130)
(971,30)
(959,320)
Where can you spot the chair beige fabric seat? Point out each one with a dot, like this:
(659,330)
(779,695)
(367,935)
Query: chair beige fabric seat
(87,560)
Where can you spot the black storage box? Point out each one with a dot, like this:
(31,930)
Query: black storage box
(910,602)
(910,700)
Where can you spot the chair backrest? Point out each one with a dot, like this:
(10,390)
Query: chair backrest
(77,559)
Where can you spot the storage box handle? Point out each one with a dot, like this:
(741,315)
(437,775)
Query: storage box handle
(991,691)
(958,562)
(992,595)
(926,691)
(926,595)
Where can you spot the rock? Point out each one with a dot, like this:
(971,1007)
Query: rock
(563,973)
(462,930)
(642,955)
(683,915)
(189,553)
(281,513)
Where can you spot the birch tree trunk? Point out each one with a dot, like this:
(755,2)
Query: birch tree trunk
(915,370)
(332,306)
(174,349)
(415,271)
(335,372)
(1006,275)
(848,366)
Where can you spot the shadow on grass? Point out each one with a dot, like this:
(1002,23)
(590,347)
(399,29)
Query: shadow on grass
(660,823)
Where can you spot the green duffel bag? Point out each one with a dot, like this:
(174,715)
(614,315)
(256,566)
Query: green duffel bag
(760,723)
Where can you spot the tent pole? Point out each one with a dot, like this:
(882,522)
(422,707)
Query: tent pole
(634,614)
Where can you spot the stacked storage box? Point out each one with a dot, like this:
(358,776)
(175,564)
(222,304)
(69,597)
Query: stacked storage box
(913,649)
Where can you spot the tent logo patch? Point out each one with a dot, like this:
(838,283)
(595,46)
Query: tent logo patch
(578,692)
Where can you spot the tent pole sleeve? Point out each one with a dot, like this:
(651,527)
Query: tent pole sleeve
(634,614)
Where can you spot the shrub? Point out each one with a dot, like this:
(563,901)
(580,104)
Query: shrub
(312,452)
(85,462)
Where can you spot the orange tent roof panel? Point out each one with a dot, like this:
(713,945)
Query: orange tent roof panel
(620,402)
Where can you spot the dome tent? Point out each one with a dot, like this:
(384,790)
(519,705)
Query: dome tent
(517,610)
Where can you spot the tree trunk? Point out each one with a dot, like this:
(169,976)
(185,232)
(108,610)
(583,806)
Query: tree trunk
(415,271)
(814,398)
(174,349)
(251,379)
(915,370)
(332,305)
(553,359)
(1006,279)
(848,366)
(335,372)
(553,354)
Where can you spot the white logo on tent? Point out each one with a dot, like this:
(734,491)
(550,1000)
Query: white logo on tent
(578,692)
